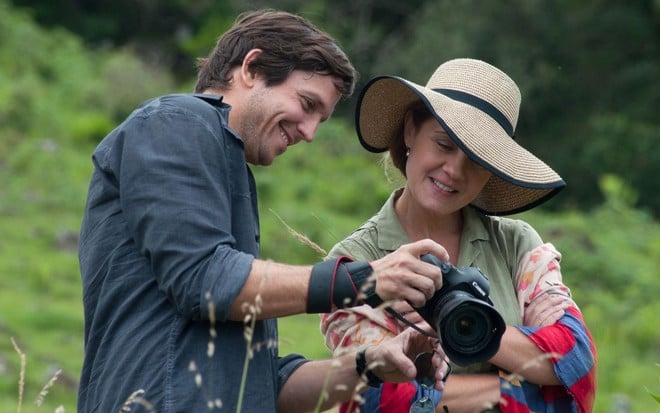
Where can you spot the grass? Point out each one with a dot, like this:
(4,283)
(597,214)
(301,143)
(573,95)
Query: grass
(41,308)
(56,344)
(301,334)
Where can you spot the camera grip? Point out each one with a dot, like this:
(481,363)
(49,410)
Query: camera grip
(432,259)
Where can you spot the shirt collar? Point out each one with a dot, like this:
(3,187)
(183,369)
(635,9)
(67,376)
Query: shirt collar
(392,235)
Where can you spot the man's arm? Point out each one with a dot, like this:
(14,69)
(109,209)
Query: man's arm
(277,290)
(335,377)
(336,380)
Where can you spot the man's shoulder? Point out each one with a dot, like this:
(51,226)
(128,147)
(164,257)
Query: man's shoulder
(208,110)
(184,101)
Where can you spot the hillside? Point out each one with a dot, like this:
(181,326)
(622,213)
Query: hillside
(58,99)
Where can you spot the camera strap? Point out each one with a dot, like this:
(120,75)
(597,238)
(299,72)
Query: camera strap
(405,321)
(419,361)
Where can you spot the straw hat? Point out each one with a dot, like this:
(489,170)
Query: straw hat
(477,105)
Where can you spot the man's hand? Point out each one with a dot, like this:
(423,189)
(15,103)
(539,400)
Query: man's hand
(342,282)
(393,360)
(402,275)
(335,380)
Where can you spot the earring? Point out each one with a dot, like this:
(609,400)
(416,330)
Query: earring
(407,152)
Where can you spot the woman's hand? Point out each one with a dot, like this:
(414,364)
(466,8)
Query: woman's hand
(546,309)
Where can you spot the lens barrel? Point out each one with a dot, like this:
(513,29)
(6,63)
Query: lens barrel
(470,329)
(469,326)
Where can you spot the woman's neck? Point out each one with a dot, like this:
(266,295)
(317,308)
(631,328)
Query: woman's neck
(420,223)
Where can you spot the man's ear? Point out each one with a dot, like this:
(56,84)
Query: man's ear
(247,73)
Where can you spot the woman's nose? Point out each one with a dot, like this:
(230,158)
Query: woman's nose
(458,162)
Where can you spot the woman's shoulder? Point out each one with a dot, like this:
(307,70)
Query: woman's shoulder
(513,232)
(507,224)
(361,244)
(376,237)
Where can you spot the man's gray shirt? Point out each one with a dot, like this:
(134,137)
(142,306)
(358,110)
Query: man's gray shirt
(169,234)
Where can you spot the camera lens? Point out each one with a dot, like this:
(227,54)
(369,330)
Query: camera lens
(469,328)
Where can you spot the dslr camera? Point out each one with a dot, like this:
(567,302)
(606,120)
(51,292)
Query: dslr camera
(468,325)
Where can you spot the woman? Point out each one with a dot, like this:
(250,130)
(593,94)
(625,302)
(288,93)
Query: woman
(453,141)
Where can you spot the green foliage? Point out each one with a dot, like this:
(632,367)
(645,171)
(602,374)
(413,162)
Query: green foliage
(655,396)
(587,69)
(57,100)
(219,17)
(60,89)
(611,257)
(320,191)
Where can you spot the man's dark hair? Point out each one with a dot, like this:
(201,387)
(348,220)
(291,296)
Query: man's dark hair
(288,42)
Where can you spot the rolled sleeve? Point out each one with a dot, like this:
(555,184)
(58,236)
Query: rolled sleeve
(287,366)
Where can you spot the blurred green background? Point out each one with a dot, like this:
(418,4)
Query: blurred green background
(588,72)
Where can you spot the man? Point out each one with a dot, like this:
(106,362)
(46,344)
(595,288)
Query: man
(170,237)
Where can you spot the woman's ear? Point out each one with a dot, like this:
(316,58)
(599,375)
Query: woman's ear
(409,129)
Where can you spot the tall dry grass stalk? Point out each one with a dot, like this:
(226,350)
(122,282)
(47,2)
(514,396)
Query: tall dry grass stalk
(251,310)
(206,386)
(21,380)
(301,237)
(136,398)
(44,391)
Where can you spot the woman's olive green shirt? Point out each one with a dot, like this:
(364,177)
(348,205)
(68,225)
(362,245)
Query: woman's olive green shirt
(493,244)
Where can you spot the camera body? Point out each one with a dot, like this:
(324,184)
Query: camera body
(468,325)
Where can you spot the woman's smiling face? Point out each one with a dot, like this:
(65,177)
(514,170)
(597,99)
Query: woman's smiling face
(440,176)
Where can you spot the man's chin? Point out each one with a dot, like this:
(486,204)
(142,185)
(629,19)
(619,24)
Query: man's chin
(270,161)
(267,161)
(261,160)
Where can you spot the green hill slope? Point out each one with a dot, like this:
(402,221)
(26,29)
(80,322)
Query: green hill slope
(58,99)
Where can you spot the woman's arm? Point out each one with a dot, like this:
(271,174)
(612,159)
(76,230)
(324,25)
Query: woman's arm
(520,355)
(566,343)
(476,392)
(549,362)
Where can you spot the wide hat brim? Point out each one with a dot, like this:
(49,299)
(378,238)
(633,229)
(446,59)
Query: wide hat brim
(520,180)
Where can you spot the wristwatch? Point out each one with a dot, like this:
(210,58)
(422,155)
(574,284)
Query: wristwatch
(362,369)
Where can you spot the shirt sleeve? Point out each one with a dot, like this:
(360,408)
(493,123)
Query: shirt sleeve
(568,342)
(174,182)
(286,366)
